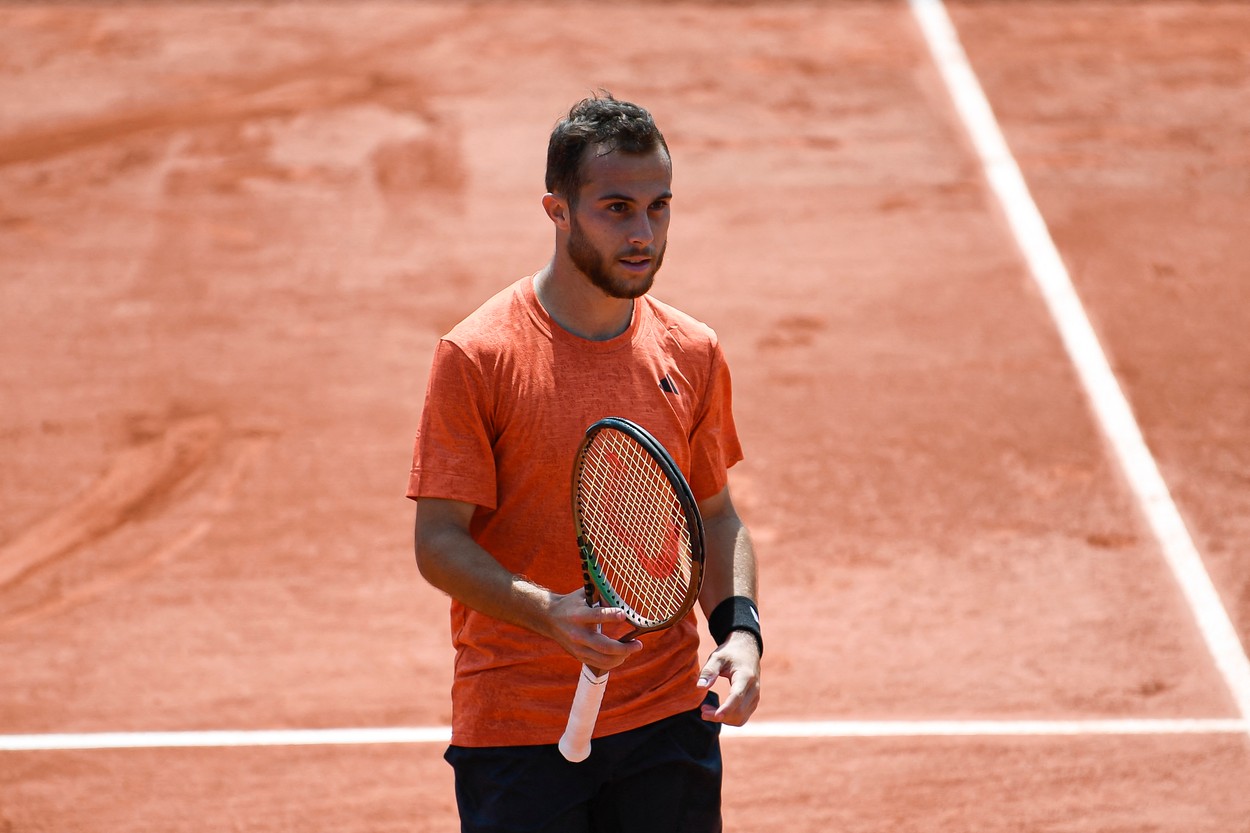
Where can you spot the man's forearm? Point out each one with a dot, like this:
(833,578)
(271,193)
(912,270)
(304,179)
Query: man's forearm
(729,569)
(450,560)
(453,562)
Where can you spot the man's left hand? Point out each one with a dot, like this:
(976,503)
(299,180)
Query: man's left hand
(738,660)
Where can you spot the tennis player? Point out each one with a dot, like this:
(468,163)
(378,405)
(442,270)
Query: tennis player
(511,391)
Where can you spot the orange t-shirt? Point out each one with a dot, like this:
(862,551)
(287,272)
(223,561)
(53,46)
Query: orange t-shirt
(510,396)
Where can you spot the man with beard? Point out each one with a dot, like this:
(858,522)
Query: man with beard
(511,391)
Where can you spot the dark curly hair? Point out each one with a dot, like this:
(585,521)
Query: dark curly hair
(599,120)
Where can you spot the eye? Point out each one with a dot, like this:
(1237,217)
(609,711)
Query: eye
(618,207)
(659,205)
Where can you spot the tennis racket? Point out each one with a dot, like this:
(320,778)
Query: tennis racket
(641,542)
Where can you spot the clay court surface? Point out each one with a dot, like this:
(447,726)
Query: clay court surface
(231,233)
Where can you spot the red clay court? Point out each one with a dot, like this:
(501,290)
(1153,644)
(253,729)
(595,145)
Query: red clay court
(231,234)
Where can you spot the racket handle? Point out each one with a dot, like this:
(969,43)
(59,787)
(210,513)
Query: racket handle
(575,743)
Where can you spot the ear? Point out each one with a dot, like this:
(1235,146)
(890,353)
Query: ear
(557,209)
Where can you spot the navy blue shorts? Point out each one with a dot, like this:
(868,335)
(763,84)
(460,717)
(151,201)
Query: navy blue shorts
(661,778)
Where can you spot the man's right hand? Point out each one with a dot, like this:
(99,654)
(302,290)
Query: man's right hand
(586,633)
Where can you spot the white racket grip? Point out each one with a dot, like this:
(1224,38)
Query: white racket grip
(575,743)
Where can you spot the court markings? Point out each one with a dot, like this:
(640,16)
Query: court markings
(798,729)
(1107,399)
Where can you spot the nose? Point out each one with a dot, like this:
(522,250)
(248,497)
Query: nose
(641,233)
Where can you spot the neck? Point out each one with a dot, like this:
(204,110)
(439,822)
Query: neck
(579,306)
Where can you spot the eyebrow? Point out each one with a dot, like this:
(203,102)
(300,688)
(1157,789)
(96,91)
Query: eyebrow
(667,195)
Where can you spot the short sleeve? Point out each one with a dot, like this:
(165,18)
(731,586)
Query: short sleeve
(453,456)
(714,444)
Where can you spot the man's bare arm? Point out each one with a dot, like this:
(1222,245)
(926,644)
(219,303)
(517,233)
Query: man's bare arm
(730,571)
(452,561)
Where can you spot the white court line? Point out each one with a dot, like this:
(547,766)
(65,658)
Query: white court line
(984,728)
(762,729)
(256,737)
(1108,400)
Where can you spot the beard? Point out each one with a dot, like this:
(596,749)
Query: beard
(598,268)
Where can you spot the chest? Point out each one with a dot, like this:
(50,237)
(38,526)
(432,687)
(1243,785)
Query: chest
(547,400)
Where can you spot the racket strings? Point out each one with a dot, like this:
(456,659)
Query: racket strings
(638,531)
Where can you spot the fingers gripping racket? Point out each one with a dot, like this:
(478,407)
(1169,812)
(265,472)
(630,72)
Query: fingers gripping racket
(641,540)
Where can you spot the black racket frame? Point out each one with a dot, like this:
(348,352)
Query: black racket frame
(597,588)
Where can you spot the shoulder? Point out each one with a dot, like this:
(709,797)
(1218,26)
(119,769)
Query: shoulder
(493,324)
(690,333)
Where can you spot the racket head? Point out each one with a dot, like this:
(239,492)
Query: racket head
(638,527)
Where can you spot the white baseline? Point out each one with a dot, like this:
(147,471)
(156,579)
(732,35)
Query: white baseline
(796,729)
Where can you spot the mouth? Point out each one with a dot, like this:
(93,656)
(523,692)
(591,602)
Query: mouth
(636,263)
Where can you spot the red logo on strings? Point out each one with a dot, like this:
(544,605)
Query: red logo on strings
(660,564)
